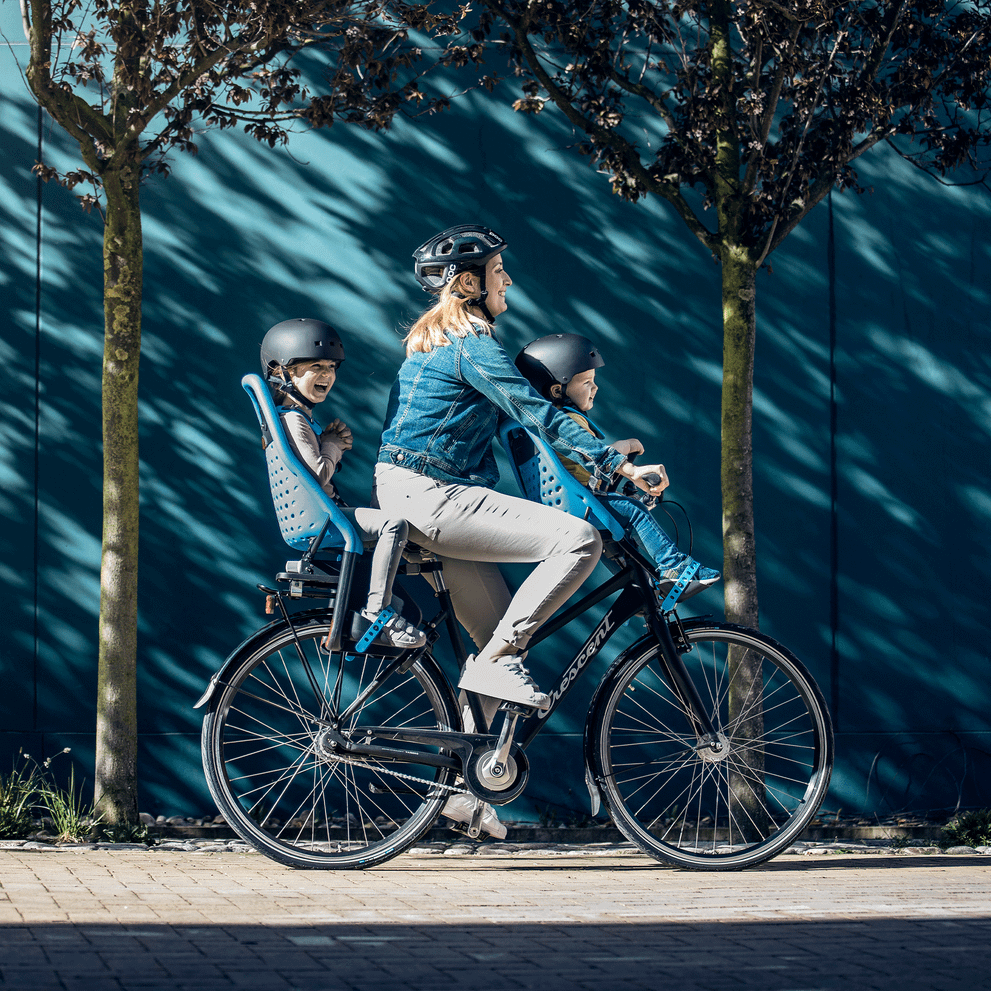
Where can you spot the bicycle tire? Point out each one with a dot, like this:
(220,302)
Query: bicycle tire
(684,804)
(277,782)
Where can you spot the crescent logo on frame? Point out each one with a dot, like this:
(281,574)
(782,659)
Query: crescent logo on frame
(591,648)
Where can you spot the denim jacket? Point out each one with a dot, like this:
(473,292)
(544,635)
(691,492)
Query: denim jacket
(447,404)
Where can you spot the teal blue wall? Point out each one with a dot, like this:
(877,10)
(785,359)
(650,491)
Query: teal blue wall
(242,236)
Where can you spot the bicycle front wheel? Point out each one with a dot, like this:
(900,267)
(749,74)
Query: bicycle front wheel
(713,808)
(275,773)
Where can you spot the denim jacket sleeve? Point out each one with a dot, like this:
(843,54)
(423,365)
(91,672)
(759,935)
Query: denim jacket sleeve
(484,364)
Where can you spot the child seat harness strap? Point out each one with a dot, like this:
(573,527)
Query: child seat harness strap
(282,410)
(307,416)
(595,430)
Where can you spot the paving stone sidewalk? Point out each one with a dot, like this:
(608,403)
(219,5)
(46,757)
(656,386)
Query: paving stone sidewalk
(474,919)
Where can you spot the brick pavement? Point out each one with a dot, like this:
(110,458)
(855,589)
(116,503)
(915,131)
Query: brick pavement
(154,920)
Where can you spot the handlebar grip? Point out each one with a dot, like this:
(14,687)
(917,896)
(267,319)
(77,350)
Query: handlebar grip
(652,478)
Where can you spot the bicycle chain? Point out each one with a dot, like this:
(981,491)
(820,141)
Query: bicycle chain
(399,774)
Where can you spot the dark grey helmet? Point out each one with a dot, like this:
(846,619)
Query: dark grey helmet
(557,358)
(301,339)
(458,249)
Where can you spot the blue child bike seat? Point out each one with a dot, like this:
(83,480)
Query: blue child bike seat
(542,478)
(304,511)
(301,505)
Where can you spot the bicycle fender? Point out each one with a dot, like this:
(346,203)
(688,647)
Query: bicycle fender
(220,677)
(234,658)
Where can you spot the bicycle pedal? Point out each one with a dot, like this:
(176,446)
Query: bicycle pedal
(516,709)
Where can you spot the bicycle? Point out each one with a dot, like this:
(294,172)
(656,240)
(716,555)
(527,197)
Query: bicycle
(709,743)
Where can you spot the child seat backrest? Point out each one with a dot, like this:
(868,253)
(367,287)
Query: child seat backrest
(301,505)
(542,478)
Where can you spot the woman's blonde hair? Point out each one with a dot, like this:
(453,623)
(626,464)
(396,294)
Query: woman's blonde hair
(451,313)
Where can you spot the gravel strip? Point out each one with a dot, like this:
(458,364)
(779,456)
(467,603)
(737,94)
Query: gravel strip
(459,847)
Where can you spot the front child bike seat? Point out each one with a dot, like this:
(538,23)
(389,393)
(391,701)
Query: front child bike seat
(542,478)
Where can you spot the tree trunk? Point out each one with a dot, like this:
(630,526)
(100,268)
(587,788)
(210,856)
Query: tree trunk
(116,725)
(748,806)
(739,336)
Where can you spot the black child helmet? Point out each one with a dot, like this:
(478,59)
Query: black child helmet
(557,359)
(301,339)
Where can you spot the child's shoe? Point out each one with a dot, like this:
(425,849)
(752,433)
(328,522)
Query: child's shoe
(503,678)
(702,579)
(461,807)
(394,630)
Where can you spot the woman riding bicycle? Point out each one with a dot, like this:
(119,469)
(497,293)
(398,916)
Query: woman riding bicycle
(334,758)
(437,468)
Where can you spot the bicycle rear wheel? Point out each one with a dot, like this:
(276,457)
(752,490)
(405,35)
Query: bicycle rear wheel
(688,804)
(275,775)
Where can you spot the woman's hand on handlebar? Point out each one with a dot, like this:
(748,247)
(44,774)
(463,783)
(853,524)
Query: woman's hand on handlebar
(653,479)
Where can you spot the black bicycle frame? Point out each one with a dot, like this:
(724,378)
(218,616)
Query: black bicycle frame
(635,597)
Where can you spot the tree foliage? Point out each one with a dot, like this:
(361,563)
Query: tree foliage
(778,100)
(142,77)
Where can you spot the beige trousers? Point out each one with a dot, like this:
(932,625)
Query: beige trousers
(472,529)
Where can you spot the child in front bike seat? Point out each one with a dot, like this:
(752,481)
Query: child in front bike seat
(300,359)
(561,367)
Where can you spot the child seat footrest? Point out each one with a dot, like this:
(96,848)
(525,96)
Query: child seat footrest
(375,629)
(671,599)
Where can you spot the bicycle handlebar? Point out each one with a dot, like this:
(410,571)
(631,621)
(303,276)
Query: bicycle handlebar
(651,478)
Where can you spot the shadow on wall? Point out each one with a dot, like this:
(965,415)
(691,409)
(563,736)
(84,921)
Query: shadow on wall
(913,393)
(914,425)
(241,237)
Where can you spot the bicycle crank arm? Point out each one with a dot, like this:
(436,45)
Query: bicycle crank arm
(496,766)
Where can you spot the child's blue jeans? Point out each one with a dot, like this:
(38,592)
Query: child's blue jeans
(658,545)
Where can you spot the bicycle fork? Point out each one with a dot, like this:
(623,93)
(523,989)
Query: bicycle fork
(684,687)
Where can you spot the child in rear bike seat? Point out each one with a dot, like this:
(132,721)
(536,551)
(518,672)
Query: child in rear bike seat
(300,359)
(561,367)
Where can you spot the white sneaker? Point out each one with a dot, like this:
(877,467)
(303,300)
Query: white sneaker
(396,631)
(460,808)
(504,678)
